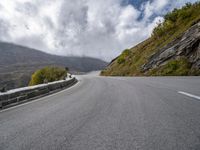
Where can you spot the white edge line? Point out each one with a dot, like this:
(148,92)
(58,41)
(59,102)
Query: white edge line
(39,99)
(190,95)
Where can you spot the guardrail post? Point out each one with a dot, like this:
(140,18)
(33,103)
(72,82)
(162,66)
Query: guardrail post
(0,104)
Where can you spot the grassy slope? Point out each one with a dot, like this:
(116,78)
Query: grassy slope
(130,61)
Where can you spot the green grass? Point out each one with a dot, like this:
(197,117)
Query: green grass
(122,58)
(179,67)
(129,63)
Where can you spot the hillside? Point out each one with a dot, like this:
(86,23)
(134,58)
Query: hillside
(17,63)
(173,49)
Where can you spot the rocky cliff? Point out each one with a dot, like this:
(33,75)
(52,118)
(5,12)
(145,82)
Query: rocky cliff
(186,46)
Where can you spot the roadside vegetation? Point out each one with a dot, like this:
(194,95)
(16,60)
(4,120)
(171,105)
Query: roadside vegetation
(48,74)
(175,23)
(179,67)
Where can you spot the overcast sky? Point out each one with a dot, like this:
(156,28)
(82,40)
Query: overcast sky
(96,28)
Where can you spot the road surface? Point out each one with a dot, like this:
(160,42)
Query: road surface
(104,113)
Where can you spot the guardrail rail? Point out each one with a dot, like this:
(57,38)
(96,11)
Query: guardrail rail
(21,95)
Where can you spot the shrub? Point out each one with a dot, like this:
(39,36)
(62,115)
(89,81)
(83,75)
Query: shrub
(120,60)
(172,16)
(122,57)
(48,74)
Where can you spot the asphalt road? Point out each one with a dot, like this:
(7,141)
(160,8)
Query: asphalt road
(104,113)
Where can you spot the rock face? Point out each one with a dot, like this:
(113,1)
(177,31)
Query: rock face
(188,45)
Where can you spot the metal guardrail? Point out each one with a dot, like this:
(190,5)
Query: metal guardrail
(16,97)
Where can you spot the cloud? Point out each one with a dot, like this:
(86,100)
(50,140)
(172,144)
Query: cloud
(4,29)
(81,27)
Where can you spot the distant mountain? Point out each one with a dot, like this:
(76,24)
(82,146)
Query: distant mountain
(17,63)
(172,50)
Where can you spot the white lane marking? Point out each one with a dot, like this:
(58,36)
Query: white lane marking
(190,95)
(39,99)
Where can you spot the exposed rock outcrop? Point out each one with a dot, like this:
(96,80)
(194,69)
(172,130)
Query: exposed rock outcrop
(187,45)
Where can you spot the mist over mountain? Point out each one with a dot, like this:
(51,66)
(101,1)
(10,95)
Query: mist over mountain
(17,63)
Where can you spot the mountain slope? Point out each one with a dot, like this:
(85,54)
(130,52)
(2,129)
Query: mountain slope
(17,63)
(173,48)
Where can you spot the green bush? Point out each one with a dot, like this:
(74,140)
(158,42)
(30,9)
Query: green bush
(122,57)
(48,74)
(121,60)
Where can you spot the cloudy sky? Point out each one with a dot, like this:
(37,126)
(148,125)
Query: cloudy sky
(96,28)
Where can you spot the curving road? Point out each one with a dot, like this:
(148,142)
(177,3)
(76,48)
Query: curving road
(104,113)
